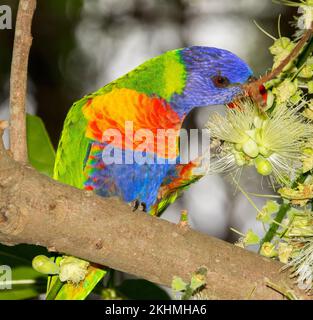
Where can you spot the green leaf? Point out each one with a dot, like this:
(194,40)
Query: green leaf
(41,153)
(20,255)
(178,284)
(142,290)
(26,282)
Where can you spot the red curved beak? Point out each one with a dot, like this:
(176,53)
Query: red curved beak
(254,89)
(263,93)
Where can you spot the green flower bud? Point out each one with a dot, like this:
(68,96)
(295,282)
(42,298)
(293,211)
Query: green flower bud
(265,215)
(270,99)
(308,113)
(284,252)
(296,98)
(263,166)
(197,281)
(271,206)
(285,90)
(265,152)
(251,238)
(268,250)
(281,45)
(306,72)
(178,284)
(240,158)
(308,151)
(310,87)
(45,265)
(73,270)
(280,50)
(238,146)
(250,148)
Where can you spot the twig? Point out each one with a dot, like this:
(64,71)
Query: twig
(252,88)
(18,81)
(288,293)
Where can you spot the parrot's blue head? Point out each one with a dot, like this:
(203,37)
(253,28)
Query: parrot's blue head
(214,76)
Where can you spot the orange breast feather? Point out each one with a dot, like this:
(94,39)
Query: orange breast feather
(142,122)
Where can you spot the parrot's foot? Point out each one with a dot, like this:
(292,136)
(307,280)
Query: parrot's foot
(136,204)
(142,207)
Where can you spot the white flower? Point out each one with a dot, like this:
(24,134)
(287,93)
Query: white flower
(272,142)
(305,9)
(73,270)
(302,266)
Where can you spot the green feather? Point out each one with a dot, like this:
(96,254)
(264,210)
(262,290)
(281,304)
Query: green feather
(171,197)
(72,147)
(162,76)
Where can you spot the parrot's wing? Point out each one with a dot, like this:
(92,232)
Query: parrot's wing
(119,112)
(125,122)
(73,148)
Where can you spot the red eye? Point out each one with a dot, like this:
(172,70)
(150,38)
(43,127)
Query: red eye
(220,81)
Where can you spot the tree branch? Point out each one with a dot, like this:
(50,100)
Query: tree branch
(18,81)
(35,209)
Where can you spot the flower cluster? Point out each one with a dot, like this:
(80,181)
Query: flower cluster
(274,142)
(278,142)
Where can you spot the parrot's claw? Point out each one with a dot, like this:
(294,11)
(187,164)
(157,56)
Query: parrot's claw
(136,204)
(142,206)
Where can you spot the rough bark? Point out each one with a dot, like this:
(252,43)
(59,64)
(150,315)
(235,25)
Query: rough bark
(35,209)
(18,80)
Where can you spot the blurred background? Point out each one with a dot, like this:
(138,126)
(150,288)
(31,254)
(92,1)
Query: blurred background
(81,45)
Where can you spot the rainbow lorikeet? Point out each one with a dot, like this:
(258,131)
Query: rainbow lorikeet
(156,95)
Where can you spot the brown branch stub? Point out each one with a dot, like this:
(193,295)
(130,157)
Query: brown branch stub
(18,80)
(3,125)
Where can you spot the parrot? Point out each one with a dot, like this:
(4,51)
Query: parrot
(158,94)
